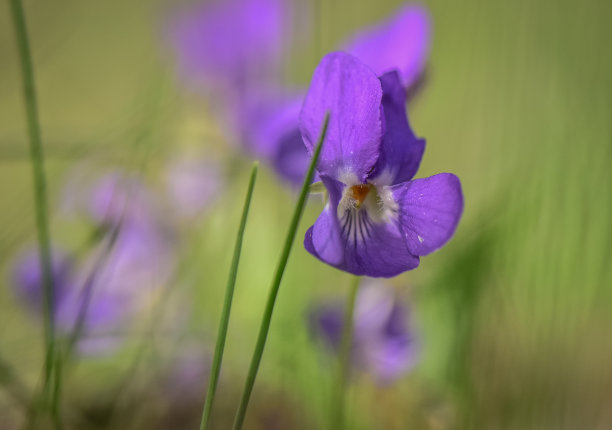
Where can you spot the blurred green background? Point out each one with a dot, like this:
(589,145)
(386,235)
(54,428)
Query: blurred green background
(513,314)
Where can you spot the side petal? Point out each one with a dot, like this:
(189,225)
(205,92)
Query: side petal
(429,211)
(402,44)
(351,92)
(323,238)
(356,243)
(401,151)
(271,128)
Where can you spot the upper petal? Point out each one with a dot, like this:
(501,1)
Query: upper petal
(357,243)
(429,211)
(351,93)
(230,40)
(401,151)
(402,44)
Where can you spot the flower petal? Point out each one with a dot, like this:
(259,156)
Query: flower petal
(272,133)
(429,211)
(402,44)
(394,350)
(357,244)
(351,93)
(401,150)
(229,41)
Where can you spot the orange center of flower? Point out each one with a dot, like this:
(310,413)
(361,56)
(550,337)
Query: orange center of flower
(359,193)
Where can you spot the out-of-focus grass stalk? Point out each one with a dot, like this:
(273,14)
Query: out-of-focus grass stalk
(57,392)
(280,269)
(338,403)
(79,324)
(40,188)
(227,305)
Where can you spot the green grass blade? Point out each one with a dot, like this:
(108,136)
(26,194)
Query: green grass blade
(87,294)
(40,186)
(227,306)
(280,269)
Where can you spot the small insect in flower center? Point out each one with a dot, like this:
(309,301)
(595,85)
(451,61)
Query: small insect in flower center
(359,193)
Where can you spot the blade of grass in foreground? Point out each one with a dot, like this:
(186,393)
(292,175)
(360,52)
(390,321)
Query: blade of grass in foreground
(280,269)
(227,306)
(40,187)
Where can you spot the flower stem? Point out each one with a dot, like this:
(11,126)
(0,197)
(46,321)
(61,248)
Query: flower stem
(280,269)
(227,306)
(40,188)
(344,360)
(56,394)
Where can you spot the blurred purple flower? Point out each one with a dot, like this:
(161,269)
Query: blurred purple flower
(140,260)
(123,268)
(103,311)
(230,43)
(274,135)
(378,221)
(383,342)
(27,278)
(192,185)
(401,44)
(117,197)
(141,257)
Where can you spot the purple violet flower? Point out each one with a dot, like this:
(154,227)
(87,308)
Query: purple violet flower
(119,274)
(378,220)
(230,43)
(274,135)
(141,257)
(104,311)
(400,43)
(383,342)
(117,197)
(140,261)
(27,278)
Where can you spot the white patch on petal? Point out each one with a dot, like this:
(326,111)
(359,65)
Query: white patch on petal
(384,178)
(347,177)
(387,206)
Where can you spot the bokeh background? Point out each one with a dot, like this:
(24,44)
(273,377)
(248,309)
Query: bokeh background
(512,316)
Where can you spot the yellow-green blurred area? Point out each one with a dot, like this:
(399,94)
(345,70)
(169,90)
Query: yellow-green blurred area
(513,315)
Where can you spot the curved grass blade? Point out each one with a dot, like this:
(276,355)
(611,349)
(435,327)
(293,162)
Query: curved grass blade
(280,269)
(227,306)
(40,188)
(87,293)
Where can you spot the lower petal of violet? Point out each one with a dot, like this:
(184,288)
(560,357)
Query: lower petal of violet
(429,211)
(354,242)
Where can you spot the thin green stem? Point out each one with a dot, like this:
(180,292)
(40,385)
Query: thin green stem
(87,295)
(227,306)
(56,396)
(40,186)
(280,269)
(344,360)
